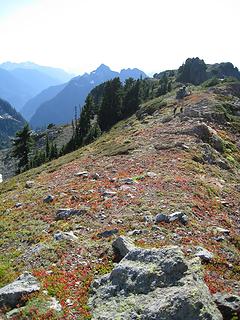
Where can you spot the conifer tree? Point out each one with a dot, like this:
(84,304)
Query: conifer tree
(21,148)
(132,98)
(111,106)
(47,147)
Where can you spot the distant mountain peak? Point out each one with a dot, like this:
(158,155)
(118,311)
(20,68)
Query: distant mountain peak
(103,68)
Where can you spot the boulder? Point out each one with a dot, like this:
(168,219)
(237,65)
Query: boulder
(29,184)
(228,304)
(1,178)
(151,284)
(83,174)
(11,294)
(122,245)
(178,215)
(108,193)
(96,176)
(107,233)
(48,199)
(66,213)
(204,254)
(65,236)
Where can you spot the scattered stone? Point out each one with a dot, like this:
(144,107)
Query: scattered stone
(148,218)
(137,232)
(29,184)
(59,235)
(48,199)
(228,304)
(96,176)
(180,216)
(55,305)
(219,238)
(83,174)
(108,194)
(204,254)
(182,146)
(221,230)
(156,228)
(127,181)
(18,205)
(151,174)
(153,284)
(66,213)
(11,294)
(107,233)
(161,217)
(122,245)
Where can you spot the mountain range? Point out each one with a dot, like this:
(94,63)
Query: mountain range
(20,82)
(61,108)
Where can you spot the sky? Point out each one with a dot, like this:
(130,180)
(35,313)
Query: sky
(152,35)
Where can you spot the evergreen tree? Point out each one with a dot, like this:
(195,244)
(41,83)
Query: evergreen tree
(21,148)
(131,99)
(93,133)
(84,123)
(111,106)
(47,148)
(53,152)
(192,71)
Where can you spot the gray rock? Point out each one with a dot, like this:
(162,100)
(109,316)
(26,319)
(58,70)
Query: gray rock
(83,174)
(137,232)
(66,213)
(96,176)
(127,181)
(65,236)
(180,216)
(221,230)
(161,217)
(48,199)
(204,254)
(122,246)
(18,204)
(55,305)
(228,304)
(108,193)
(1,178)
(151,174)
(11,294)
(29,184)
(107,233)
(153,284)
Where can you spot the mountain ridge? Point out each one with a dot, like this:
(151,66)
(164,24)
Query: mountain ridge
(61,108)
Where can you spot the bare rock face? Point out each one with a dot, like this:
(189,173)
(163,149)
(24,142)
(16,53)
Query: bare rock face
(228,304)
(122,246)
(153,284)
(11,294)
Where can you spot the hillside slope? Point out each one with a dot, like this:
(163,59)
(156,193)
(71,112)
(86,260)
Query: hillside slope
(10,122)
(32,105)
(154,162)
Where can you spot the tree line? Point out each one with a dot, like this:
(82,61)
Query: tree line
(107,104)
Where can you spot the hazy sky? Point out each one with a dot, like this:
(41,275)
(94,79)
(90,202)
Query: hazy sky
(152,35)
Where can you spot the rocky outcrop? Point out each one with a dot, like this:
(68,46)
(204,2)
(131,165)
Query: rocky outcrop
(153,284)
(11,295)
(63,214)
(122,246)
(228,304)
